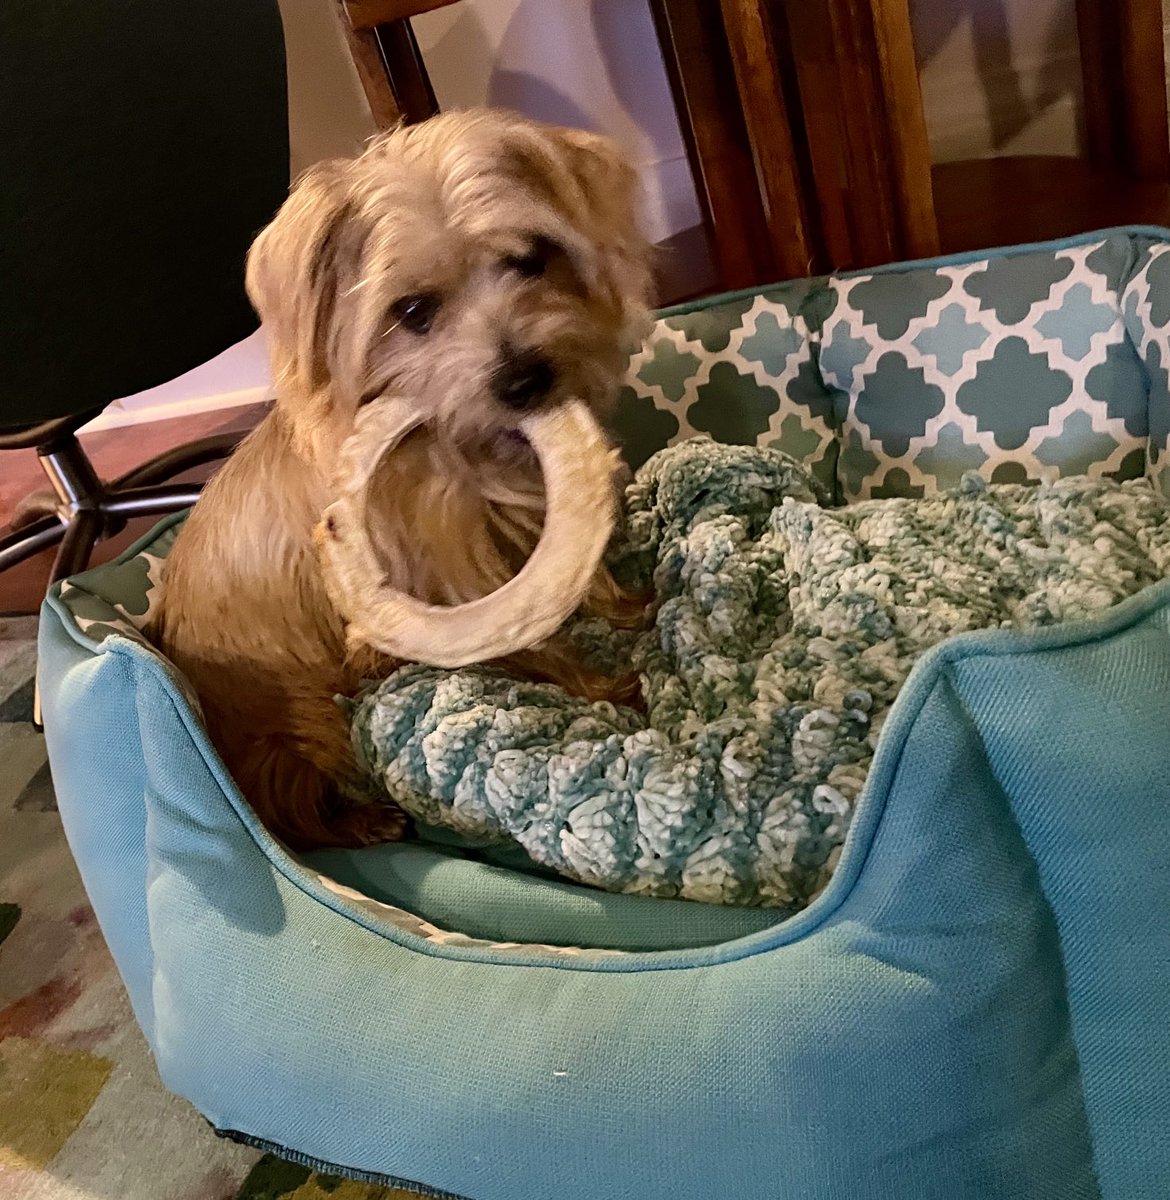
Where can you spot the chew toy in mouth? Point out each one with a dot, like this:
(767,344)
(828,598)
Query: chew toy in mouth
(578,468)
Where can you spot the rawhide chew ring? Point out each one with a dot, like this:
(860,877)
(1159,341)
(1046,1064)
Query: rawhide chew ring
(578,468)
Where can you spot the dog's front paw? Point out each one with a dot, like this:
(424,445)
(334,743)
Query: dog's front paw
(367,824)
(620,607)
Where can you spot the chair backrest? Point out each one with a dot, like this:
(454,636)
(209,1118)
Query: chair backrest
(143,145)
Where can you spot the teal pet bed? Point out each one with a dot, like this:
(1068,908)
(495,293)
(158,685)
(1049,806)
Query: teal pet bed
(974,1007)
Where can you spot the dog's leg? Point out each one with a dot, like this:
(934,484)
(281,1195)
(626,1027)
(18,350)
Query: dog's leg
(556,662)
(620,607)
(289,752)
(301,804)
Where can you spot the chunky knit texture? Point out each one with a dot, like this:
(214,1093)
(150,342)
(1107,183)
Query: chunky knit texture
(782,634)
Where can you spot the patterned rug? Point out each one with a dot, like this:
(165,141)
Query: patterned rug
(83,1115)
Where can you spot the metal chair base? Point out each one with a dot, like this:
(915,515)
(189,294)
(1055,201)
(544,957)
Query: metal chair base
(78,509)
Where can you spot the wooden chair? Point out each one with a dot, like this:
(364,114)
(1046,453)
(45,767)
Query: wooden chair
(807,137)
(387,57)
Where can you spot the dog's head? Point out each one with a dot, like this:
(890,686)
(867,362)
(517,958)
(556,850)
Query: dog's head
(479,264)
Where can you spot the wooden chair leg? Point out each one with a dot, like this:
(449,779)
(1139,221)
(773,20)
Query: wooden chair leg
(406,71)
(388,60)
(773,134)
(698,64)
(866,130)
(790,185)
(371,69)
(1124,81)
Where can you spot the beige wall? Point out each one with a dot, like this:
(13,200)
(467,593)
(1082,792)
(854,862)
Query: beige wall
(590,63)
(998,77)
(328,114)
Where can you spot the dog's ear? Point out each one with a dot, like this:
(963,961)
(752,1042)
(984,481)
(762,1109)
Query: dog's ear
(607,193)
(607,184)
(298,268)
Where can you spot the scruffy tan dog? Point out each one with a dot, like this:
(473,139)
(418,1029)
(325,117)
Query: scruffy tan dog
(482,265)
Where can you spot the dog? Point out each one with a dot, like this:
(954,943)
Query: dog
(483,265)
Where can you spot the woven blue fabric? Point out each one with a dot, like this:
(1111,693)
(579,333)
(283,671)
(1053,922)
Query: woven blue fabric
(973,1009)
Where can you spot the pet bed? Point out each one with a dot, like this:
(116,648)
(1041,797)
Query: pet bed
(973,1007)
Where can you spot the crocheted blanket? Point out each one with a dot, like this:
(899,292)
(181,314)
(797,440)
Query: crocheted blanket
(783,632)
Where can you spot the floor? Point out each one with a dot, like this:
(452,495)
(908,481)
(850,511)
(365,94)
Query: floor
(83,1114)
(113,452)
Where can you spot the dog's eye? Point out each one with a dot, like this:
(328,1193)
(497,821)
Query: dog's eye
(534,264)
(416,313)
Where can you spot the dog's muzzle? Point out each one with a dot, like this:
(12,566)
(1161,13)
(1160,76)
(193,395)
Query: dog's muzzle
(523,381)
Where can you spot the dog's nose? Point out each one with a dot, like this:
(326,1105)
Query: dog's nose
(523,381)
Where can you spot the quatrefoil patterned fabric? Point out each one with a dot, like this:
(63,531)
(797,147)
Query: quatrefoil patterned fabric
(743,370)
(1146,304)
(1028,364)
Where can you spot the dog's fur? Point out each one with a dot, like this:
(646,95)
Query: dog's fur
(521,238)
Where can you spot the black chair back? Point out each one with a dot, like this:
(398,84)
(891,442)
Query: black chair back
(143,144)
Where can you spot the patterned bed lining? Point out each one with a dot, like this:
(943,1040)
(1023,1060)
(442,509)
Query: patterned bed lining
(1026,365)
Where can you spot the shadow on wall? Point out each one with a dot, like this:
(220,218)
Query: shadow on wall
(1019,85)
(593,66)
(466,41)
(543,34)
(622,34)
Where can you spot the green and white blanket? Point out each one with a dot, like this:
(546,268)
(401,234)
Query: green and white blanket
(783,632)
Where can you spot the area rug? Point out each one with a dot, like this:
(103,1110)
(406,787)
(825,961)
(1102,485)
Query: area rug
(83,1115)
